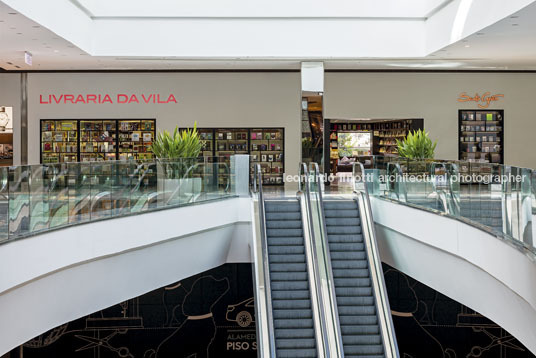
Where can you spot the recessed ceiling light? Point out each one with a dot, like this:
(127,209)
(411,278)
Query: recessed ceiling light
(515,24)
(514,17)
(34,39)
(12,28)
(56,51)
(12,13)
(480,33)
(9,63)
(17,66)
(36,26)
(467,45)
(70,46)
(464,40)
(19,33)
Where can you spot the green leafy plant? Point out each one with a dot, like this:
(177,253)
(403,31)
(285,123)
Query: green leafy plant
(180,144)
(177,151)
(416,145)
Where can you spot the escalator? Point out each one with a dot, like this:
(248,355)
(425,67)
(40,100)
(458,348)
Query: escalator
(289,280)
(319,289)
(356,305)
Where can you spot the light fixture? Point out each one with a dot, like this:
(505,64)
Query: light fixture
(12,13)
(515,24)
(514,17)
(480,33)
(467,45)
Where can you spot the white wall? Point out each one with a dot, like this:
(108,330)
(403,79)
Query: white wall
(272,99)
(211,99)
(433,96)
(10,92)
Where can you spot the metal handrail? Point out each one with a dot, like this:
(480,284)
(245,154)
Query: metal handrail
(319,314)
(263,300)
(329,298)
(378,281)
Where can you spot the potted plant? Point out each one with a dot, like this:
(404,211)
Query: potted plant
(419,149)
(176,154)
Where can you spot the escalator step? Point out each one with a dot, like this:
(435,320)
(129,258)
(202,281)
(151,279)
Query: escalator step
(357,310)
(291,304)
(285,333)
(355,301)
(346,246)
(283,216)
(293,314)
(283,224)
(286,250)
(338,255)
(342,221)
(352,282)
(294,323)
(280,258)
(345,238)
(288,276)
(349,264)
(343,230)
(360,329)
(289,286)
(289,267)
(342,213)
(362,350)
(273,233)
(358,320)
(351,291)
(297,353)
(295,343)
(285,241)
(369,339)
(290,295)
(279,206)
(350,273)
(339,204)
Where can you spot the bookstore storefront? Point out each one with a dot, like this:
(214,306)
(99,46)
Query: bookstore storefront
(116,115)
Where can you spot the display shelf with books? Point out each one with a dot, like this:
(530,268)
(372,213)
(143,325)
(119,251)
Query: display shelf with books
(481,136)
(135,137)
(59,141)
(75,140)
(266,148)
(229,141)
(207,138)
(98,140)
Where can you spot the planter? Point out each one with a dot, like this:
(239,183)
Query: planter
(179,191)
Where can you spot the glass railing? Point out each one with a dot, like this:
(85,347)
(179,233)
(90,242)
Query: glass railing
(498,198)
(39,198)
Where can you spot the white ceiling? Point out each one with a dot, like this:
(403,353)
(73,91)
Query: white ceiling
(260,8)
(509,44)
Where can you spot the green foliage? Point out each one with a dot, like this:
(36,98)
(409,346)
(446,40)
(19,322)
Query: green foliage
(180,144)
(416,145)
(307,143)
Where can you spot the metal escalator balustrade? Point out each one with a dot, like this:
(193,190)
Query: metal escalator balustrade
(291,320)
(364,316)
(39,198)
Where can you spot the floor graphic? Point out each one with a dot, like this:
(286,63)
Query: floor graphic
(208,315)
(429,324)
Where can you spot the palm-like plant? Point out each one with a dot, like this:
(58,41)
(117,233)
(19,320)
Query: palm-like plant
(180,144)
(416,145)
(177,151)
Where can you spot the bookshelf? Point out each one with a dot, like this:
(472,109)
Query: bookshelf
(83,140)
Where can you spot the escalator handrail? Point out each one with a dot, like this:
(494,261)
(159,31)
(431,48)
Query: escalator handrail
(337,345)
(319,314)
(265,273)
(378,283)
